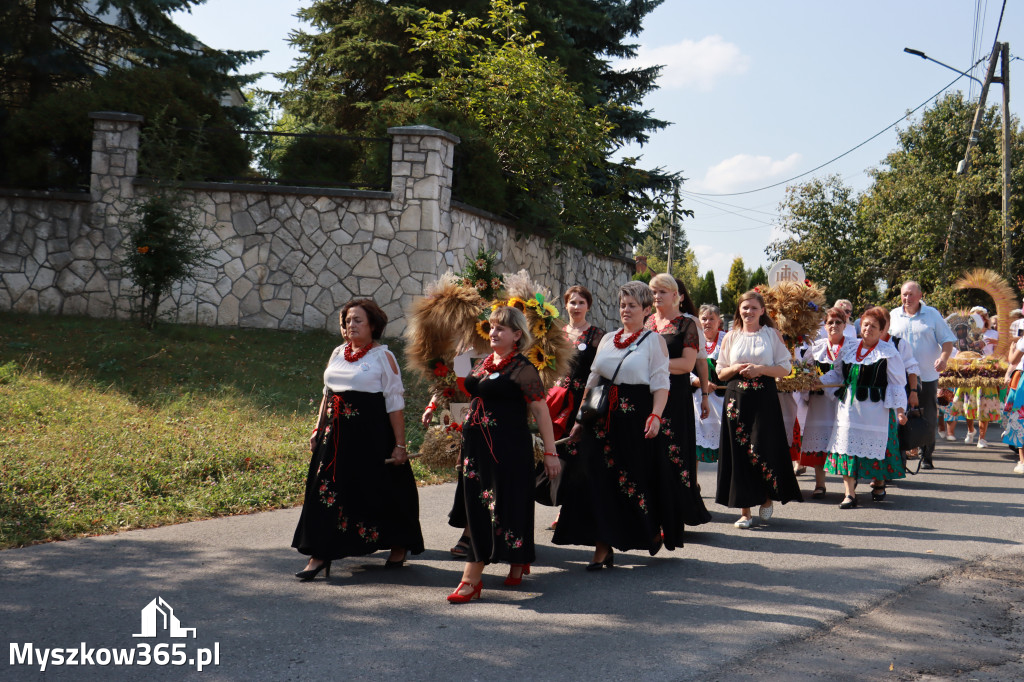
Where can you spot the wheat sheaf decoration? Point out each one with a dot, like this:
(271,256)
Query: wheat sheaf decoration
(996,286)
(797,308)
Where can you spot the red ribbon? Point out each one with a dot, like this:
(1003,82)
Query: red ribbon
(613,404)
(476,412)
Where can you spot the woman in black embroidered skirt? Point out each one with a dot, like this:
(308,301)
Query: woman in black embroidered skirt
(754,466)
(355,502)
(611,495)
(497,456)
(680,493)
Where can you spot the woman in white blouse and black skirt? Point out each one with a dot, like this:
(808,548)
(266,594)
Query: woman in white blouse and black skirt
(611,498)
(754,466)
(356,502)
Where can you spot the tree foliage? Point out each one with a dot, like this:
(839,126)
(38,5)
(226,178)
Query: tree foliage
(918,220)
(562,52)
(706,290)
(825,236)
(735,284)
(53,44)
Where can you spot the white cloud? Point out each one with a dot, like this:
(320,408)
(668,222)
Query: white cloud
(693,64)
(745,171)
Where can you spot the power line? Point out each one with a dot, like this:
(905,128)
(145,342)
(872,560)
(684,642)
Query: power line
(722,206)
(834,159)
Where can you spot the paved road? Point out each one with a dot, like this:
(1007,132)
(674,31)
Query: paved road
(929,582)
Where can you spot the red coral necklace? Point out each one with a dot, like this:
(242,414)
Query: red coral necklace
(620,343)
(860,356)
(711,349)
(356,355)
(491,366)
(833,354)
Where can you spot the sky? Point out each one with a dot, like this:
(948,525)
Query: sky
(758,92)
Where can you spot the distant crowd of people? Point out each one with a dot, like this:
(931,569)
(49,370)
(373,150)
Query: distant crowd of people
(668,389)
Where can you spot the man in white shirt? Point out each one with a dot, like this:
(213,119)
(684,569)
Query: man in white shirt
(931,342)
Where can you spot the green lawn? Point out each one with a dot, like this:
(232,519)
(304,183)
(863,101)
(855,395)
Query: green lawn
(106,426)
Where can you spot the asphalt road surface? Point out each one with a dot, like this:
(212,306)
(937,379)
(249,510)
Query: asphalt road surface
(928,585)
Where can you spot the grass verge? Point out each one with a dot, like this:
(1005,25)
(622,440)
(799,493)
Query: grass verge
(105,426)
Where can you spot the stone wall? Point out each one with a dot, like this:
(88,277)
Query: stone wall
(283,257)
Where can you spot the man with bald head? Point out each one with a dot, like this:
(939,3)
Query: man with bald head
(931,342)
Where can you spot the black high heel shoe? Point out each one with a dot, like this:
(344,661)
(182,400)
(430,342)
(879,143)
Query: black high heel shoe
(310,573)
(877,493)
(608,561)
(397,564)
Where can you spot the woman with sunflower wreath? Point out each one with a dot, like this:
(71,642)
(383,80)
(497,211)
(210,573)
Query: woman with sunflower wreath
(611,497)
(497,475)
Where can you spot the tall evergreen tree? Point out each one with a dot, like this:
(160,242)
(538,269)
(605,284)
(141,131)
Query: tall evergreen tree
(47,45)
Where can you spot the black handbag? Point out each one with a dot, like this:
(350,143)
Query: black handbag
(595,403)
(916,432)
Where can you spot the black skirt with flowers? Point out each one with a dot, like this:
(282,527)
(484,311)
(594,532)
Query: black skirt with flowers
(754,462)
(356,504)
(612,492)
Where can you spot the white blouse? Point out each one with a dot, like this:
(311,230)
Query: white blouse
(763,347)
(373,373)
(648,364)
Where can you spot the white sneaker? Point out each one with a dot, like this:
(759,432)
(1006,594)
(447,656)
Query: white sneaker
(970,438)
(748,521)
(950,437)
(982,443)
(1019,469)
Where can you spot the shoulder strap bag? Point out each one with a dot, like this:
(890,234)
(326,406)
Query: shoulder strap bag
(597,400)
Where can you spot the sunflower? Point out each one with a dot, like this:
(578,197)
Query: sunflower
(498,303)
(483,328)
(516,302)
(537,357)
(532,303)
(551,310)
(539,328)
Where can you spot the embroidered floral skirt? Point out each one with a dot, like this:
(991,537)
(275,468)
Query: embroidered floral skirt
(754,462)
(622,488)
(983,404)
(865,468)
(496,482)
(679,428)
(356,504)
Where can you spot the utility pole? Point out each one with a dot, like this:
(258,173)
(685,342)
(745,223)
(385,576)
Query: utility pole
(1001,55)
(1004,78)
(674,218)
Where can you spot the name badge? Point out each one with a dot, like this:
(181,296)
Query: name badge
(632,347)
(494,375)
(582,346)
(363,367)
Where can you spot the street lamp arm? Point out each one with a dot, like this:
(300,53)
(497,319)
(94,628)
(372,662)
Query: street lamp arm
(922,55)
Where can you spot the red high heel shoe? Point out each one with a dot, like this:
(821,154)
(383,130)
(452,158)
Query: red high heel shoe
(512,582)
(457,598)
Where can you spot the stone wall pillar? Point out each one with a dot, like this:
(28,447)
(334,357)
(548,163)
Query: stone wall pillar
(421,186)
(91,283)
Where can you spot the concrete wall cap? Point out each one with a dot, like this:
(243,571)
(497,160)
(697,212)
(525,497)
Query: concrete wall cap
(115,116)
(424,130)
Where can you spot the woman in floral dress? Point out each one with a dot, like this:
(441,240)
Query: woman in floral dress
(754,466)
(497,455)
(355,502)
(872,402)
(681,494)
(611,498)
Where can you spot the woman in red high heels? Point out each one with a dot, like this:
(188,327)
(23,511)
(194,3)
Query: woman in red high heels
(497,455)
(355,502)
